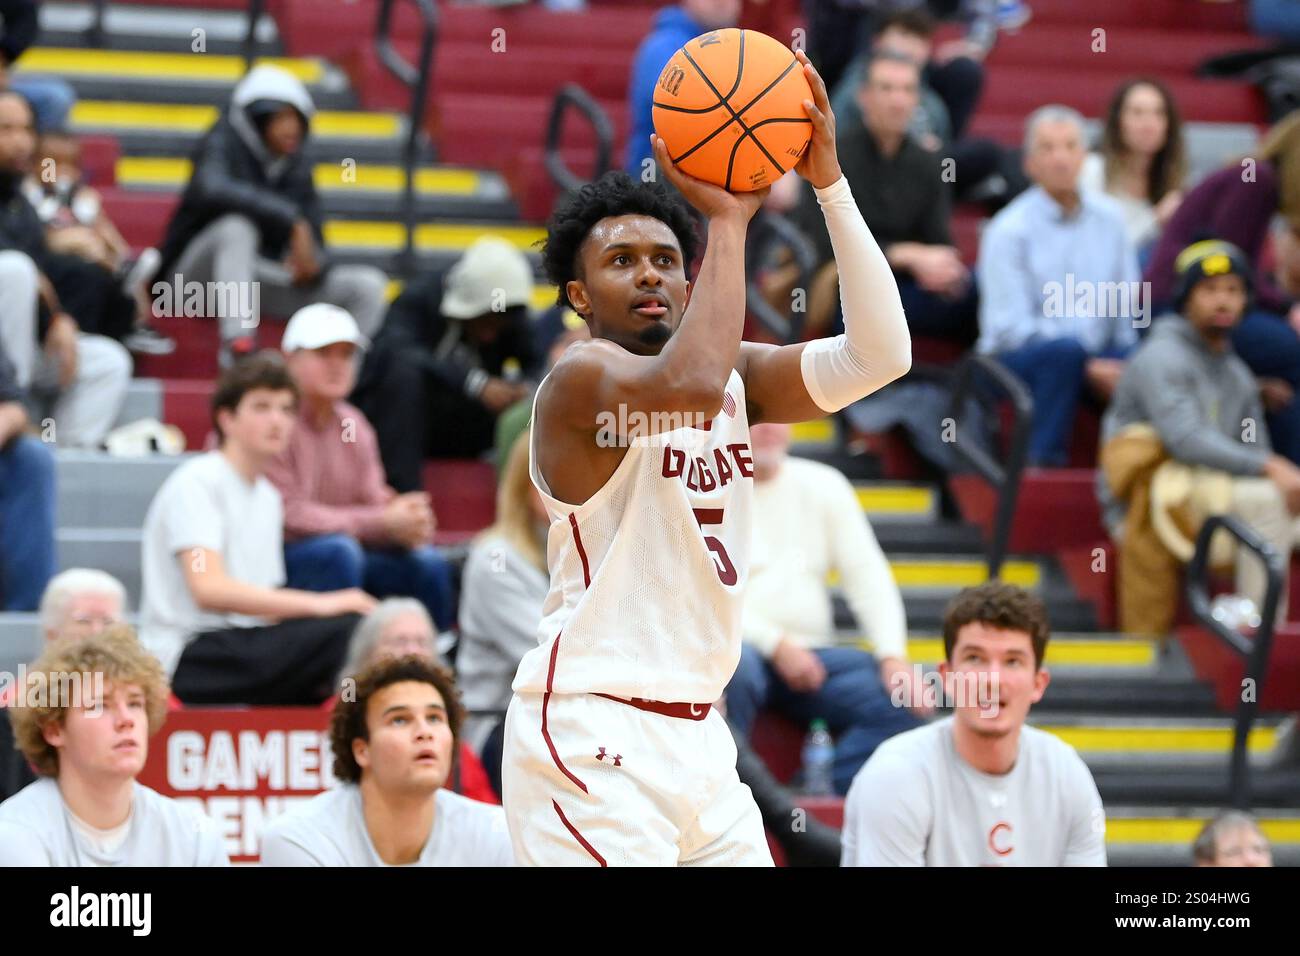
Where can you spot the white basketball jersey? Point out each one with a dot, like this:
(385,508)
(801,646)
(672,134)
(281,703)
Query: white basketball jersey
(647,575)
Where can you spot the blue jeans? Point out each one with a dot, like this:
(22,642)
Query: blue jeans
(1268,344)
(852,701)
(331,562)
(1278,19)
(51,98)
(1053,372)
(27,558)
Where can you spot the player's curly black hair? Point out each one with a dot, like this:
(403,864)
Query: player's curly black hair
(613,194)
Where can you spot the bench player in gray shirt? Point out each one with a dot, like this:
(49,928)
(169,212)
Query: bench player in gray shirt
(88,741)
(394,733)
(979,788)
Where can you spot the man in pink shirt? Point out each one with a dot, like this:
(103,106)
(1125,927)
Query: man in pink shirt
(344,527)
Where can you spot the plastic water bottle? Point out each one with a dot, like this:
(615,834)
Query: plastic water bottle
(818,760)
(1237,612)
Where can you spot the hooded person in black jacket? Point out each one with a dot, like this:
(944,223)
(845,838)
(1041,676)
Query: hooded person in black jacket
(455,350)
(251,214)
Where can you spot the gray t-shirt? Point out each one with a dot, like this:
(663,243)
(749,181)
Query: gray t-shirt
(205,503)
(330,830)
(36,830)
(917,803)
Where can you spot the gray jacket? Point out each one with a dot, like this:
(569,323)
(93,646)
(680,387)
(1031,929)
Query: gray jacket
(1204,404)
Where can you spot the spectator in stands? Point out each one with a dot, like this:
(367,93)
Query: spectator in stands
(1142,160)
(50,96)
(807,523)
(393,746)
(251,214)
(77,226)
(343,526)
(1232,838)
(27,494)
(1059,297)
(213,563)
(401,627)
(503,587)
(673,27)
(1277,19)
(838,30)
(1235,204)
(1268,341)
(81,378)
(455,350)
(910,33)
(1187,414)
(77,603)
(980,788)
(87,808)
(81,602)
(903,195)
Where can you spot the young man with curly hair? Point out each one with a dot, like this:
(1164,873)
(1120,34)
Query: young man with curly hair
(88,739)
(640,450)
(393,736)
(980,788)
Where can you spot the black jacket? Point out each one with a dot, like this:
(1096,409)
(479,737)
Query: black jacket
(233,174)
(21,231)
(19,29)
(416,327)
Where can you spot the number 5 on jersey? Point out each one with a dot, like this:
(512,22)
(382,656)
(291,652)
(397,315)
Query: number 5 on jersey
(726,570)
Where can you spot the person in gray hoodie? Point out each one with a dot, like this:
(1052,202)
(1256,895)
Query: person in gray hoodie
(1187,383)
(251,213)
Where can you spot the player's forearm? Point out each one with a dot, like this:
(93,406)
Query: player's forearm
(876,347)
(698,360)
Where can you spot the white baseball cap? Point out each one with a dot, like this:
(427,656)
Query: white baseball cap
(318,325)
(491,276)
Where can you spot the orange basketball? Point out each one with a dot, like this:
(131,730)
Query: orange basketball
(729,106)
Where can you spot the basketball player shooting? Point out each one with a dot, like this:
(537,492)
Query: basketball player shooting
(613,753)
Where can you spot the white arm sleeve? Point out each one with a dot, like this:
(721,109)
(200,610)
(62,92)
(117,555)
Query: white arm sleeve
(876,347)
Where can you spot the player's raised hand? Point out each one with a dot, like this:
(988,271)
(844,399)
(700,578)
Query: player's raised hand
(712,201)
(820,164)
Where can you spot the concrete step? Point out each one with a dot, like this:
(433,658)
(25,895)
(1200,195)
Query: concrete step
(356,190)
(186,77)
(98,491)
(155,29)
(1145,836)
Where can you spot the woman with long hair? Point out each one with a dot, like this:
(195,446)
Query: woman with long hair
(1142,159)
(503,587)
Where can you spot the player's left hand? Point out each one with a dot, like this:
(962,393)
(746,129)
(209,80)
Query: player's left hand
(819,165)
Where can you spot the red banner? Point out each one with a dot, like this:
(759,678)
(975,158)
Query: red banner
(241,766)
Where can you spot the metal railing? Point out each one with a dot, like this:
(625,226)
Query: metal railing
(571,95)
(255,11)
(415,76)
(1253,652)
(970,383)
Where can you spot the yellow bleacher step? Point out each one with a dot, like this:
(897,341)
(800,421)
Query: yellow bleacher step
(163,67)
(1071,652)
(1177,830)
(174,172)
(819,431)
(112,116)
(896,500)
(1140,739)
(390,236)
(955,573)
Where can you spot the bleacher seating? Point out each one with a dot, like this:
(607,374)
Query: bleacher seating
(1143,714)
